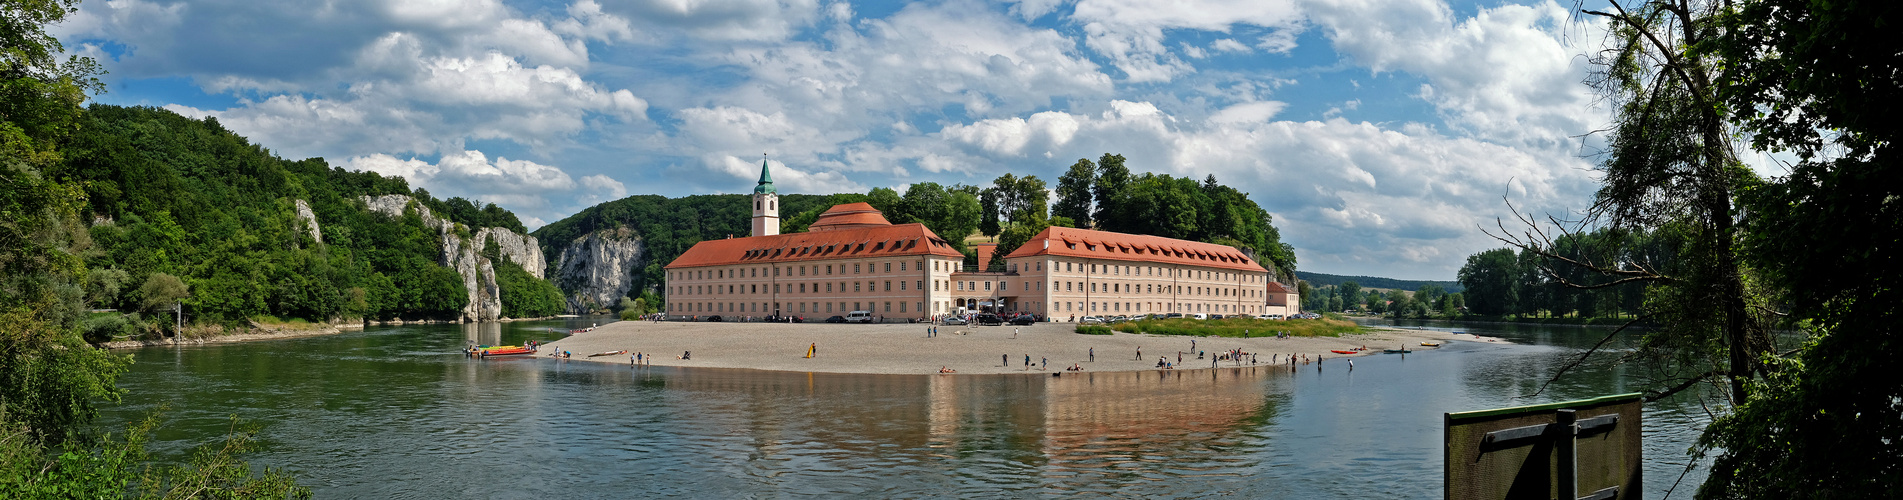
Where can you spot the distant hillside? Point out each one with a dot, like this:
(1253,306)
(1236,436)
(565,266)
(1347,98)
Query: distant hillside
(1320,280)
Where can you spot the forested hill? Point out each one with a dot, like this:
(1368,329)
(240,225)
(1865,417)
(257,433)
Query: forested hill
(665,227)
(616,250)
(182,209)
(1320,280)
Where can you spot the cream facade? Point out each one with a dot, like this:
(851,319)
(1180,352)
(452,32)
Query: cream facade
(852,259)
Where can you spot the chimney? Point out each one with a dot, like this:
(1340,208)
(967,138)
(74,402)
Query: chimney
(984,254)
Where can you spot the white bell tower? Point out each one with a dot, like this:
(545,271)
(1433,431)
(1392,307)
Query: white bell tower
(766,204)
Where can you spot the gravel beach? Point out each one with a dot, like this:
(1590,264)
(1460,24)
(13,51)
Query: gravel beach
(905,348)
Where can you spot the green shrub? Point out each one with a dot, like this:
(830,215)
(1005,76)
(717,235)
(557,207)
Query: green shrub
(1093,330)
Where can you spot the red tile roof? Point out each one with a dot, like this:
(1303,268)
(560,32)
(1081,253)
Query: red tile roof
(849,216)
(1085,243)
(871,241)
(1275,287)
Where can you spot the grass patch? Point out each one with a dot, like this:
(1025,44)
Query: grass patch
(1093,330)
(1241,327)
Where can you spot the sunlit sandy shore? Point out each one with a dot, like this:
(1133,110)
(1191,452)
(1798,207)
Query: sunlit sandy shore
(905,348)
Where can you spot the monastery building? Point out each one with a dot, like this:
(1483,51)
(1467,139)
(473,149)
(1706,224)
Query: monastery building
(853,259)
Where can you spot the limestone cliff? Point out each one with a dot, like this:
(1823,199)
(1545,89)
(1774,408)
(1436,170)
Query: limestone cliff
(309,219)
(465,254)
(598,268)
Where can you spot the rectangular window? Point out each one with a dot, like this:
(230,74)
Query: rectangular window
(829,269)
(901,269)
(987,286)
(920,284)
(901,304)
(888,267)
(829,287)
(901,286)
(829,307)
(888,307)
(855,306)
(855,268)
(855,286)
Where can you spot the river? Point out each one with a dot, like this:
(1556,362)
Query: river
(398,412)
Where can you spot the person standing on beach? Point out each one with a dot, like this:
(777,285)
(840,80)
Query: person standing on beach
(1014,333)
(1139,353)
(1093,354)
(1004,358)
(1043,363)
(1027,361)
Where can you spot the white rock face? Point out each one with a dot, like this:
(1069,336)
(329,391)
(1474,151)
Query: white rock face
(598,269)
(309,219)
(465,255)
(521,249)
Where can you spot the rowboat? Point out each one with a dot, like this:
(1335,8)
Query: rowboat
(1339,351)
(1396,351)
(1431,344)
(609,353)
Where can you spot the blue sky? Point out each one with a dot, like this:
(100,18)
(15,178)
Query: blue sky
(1382,135)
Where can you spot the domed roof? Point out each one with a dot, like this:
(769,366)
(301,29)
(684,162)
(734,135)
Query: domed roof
(850,215)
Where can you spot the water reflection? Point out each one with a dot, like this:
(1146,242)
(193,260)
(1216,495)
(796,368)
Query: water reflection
(398,412)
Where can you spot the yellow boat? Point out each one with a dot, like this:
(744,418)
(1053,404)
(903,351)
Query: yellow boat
(1431,344)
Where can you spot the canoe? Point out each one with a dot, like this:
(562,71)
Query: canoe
(1431,344)
(511,351)
(1396,351)
(487,348)
(609,353)
(1339,351)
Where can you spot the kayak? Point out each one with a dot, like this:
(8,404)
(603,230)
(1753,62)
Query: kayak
(1431,344)
(609,353)
(1339,351)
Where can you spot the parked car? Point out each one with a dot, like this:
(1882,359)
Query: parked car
(1174,316)
(859,317)
(1199,316)
(836,319)
(1217,316)
(715,319)
(1090,319)
(1025,320)
(954,320)
(988,319)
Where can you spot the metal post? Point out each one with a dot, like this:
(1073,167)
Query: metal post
(1567,449)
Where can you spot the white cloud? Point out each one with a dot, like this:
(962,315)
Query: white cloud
(1248,112)
(786,178)
(1229,45)
(1506,75)
(1131,32)
(532,190)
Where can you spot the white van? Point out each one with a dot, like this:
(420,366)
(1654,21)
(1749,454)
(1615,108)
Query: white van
(1199,316)
(859,317)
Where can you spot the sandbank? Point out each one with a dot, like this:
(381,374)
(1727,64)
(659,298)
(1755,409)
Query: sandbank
(905,349)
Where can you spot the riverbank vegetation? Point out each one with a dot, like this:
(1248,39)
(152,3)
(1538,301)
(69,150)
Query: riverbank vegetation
(1230,327)
(1716,256)
(50,376)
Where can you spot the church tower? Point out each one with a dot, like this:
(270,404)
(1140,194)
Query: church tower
(766,205)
